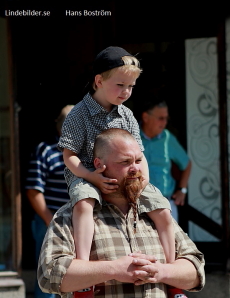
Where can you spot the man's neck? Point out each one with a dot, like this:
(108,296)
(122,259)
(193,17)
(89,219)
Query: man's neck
(148,133)
(117,200)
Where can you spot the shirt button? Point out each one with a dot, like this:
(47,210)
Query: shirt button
(108,118)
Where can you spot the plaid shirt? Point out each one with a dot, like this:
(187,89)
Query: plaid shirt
(113,238)
(85,121)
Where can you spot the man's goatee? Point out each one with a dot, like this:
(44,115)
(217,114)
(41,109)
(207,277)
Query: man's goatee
(131,190)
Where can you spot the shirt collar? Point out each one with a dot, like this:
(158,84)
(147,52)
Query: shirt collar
(148,138)
(95,108)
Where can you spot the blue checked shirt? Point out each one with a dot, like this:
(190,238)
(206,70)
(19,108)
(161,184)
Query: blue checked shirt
(88,119)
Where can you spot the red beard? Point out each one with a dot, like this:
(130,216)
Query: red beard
(132,188)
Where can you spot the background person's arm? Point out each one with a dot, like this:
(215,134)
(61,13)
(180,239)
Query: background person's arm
(38,203)
(178,196)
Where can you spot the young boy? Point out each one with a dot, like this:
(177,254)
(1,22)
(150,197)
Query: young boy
(114,75)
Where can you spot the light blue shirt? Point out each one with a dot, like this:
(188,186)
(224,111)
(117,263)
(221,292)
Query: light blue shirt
(159,152)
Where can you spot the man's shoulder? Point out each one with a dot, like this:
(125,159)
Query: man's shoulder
(172,138)
(170,134)
(154,189)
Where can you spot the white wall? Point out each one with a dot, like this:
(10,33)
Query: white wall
(203,132)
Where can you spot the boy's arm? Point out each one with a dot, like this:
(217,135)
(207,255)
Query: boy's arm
(74,164)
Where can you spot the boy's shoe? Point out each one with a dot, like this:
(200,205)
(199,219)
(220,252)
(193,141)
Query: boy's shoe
(84,293)
(175,293)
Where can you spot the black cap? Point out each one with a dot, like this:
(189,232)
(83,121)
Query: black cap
(108,59)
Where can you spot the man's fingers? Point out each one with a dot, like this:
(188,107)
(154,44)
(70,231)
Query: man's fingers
(140,282)
(143,277)
(139,255)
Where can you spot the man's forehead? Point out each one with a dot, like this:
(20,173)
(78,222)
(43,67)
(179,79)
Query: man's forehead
(160,109)
(128,153)
(131,155)
(124,144)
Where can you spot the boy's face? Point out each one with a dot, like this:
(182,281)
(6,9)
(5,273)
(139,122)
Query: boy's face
(115,90)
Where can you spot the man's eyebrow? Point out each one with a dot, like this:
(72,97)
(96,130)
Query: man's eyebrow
(127,156)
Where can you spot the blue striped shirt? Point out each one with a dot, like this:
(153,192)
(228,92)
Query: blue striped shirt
(46,174)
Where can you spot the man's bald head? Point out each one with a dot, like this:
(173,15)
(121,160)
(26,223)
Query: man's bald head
(107,137)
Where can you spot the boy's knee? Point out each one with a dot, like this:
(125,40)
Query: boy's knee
(84,206)
(166,215)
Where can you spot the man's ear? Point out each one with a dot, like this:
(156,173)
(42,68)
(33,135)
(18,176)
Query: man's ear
(97,163)
(144,117)
(98,80)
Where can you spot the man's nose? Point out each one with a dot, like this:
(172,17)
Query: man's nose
(133,168)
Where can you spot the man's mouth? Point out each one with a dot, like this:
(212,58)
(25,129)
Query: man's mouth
(133,178)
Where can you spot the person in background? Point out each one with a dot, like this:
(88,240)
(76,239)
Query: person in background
(116,267)
(161,149)
(46,188)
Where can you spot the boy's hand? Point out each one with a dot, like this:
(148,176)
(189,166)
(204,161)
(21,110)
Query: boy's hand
(106,185)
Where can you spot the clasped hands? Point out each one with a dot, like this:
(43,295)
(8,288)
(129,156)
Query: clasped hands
(147,271)
(142,269)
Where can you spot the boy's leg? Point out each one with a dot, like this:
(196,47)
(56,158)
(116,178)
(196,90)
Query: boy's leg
(151,200)
(158,208)
(163,221)
(83,228)
(83,196)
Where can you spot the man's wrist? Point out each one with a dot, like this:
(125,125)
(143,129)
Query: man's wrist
(183,189)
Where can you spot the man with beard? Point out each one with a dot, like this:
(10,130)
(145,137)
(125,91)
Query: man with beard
(127,259)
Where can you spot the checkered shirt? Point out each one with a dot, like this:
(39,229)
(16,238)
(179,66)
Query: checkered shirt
(85,121)
(113,238)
